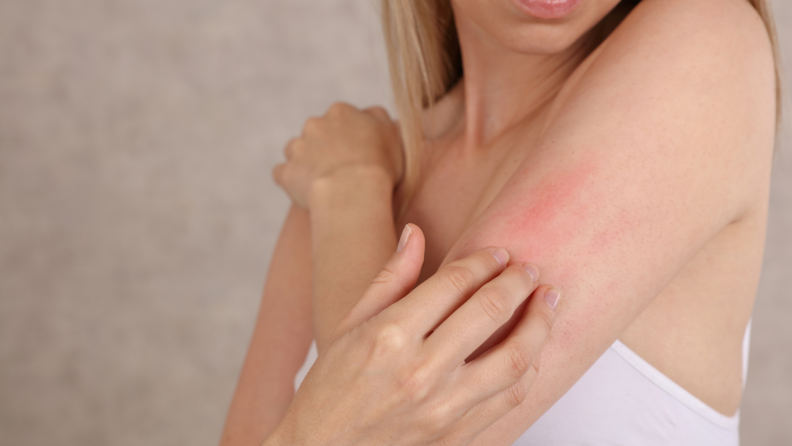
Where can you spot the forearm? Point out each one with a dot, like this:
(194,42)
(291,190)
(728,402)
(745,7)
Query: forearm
(280,340)
(353,235)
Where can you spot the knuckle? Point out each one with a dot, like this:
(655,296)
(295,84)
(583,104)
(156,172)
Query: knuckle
(519,360)
(279,174)
(415,385)
(526,281)
(545,317)
(535,366)
(337,108)
(379,110)
(488,260)
(290,148)
(438,417)
(384,276)
(297,144)
(459,278)
(516,394)
(494,303)
(389,338)
(312,125)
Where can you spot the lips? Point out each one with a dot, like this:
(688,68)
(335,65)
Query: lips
(548,9)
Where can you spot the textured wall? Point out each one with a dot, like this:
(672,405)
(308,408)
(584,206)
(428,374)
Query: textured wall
(137,215)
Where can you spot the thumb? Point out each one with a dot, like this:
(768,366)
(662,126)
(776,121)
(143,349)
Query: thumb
(396,279)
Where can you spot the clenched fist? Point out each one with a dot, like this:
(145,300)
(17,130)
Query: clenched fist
(346,141)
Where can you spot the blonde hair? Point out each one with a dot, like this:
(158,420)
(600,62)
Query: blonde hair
(425,62)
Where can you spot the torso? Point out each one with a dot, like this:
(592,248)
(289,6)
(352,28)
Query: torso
(692,331)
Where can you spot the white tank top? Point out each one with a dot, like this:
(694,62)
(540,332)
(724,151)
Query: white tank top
(623,400)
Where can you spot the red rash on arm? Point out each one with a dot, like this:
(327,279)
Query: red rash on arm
(533,218)
(550,207)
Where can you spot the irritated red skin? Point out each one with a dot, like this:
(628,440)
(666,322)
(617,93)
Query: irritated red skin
(546,214)
(533,219)
(572,209)
(551,207)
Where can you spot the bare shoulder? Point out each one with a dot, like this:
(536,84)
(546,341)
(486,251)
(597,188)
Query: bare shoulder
(688,86)
(701,46)
(733,20)
(705,34)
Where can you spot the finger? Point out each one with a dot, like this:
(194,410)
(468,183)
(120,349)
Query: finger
(379,113)
(500,334)
(288,152)
(279,173)
(478,318)
(500,379)
(394,281)
(339,108)
(312,126)
(440,295)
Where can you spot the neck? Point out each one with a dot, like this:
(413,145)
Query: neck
(502,87)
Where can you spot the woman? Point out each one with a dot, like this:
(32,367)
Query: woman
(631,165)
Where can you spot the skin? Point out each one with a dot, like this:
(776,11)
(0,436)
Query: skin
(394,365)
(280,341)
(636,178)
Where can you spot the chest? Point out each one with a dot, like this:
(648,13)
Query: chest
(455,188)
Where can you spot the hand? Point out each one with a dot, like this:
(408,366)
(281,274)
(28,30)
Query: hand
(395,372)
(344,142)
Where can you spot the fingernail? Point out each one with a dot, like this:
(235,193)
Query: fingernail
(551,297)
(405,237)
(532,271)
(501,255)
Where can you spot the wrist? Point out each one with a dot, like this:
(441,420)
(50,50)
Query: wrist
(350,187)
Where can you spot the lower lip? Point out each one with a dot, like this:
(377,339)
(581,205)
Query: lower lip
(548,9)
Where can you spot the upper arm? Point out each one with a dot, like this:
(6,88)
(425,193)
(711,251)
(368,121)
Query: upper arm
(662,142)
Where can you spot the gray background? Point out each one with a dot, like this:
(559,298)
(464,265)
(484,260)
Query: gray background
(137,214)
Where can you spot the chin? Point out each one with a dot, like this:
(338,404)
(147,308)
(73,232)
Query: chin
(542,39)
(534,26)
